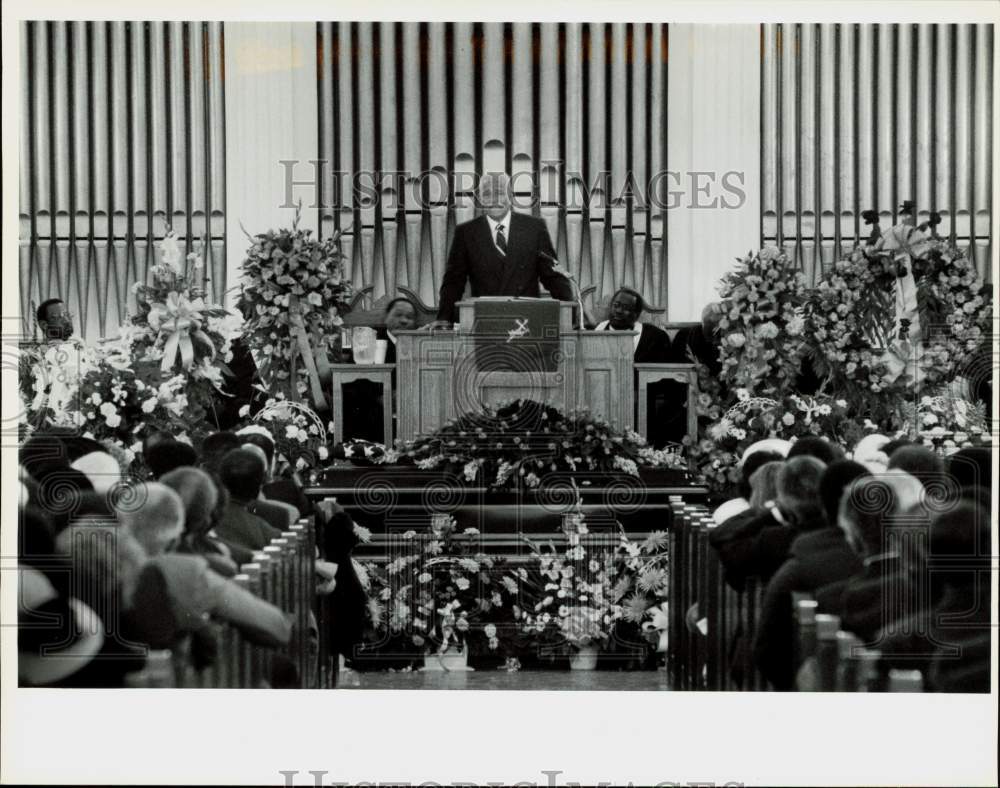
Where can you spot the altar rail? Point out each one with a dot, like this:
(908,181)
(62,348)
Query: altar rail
(283,573)
(712,627)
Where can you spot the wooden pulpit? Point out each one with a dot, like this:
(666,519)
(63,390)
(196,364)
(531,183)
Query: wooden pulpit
(504,349)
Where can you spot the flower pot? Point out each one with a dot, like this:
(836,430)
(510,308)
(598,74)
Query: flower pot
(584,657)
(454,660)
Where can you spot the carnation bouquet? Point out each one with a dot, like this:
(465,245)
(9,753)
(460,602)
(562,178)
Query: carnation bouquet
(641,588)
(293,293)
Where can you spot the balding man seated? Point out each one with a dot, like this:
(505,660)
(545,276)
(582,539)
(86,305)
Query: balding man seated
(175,593)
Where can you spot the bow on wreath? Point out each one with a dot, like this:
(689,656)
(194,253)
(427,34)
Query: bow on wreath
(180,320)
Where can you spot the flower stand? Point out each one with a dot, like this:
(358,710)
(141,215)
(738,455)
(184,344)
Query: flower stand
(584,657)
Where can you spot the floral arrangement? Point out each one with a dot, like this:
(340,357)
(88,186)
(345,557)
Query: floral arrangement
(299,435)
(642,585)
(520,442)
(948,423)
(361,452)
(444,594)
(716,455)
(762,324)
(574,589)
(293,293)
(112,404)
(174,326)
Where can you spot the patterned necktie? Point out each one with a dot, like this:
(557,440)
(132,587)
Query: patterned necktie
(501,240)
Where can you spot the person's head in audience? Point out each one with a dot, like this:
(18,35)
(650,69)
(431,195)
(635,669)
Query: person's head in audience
(976,495)
(798,492)
(94,460)
(400,315)
(199,496)
(495,195)
(165,456)
(869,451)
(972,466)
(820,448)
(896,443)
(259,437)
(43,453)
(918,461)
(61,494)
(764,484)
(157,521)
(710,317)
(626,306)
(54,320)
(153,438)
(960,545)
(216,446)
(242,473)
(749,466)
(836,478)
(870,505)
(260,454)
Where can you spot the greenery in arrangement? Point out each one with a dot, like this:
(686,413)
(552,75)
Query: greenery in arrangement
(521,442)
(891,325)
(293,293)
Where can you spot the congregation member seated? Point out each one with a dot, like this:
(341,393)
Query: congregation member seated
(764,485)
(242,474)
(667,400)
(815,559)
(277,487)
(214,450)
(758,545)
(820,448)
(700,343)
(168,455)
(920,462)
(176,593)
(199,496)
(755,456)
(277,513)
(94,460)
(971,467)
(872,512)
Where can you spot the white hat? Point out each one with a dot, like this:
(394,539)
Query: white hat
(778,445)
(868,452)
(57,661)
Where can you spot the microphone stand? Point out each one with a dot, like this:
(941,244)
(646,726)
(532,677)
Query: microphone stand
(565,274)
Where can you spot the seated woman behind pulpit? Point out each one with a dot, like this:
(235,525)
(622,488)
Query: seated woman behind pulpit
(363,399)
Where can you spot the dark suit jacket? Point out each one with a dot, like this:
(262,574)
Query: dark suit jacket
(240,527)
(653,347)
(751,544)
(865,601)
(475,259)
(273,515)
(692,338)
(815,559)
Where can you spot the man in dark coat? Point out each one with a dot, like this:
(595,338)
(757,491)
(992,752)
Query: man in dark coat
(501,253)
(815,559)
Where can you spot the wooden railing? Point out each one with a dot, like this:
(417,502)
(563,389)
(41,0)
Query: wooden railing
(283,573)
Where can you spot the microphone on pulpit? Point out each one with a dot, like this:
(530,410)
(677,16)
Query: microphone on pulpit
(565,274)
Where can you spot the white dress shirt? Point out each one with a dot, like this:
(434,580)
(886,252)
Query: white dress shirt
(505,223)
(637,328)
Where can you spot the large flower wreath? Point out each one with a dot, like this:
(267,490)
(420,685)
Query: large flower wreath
(293,293)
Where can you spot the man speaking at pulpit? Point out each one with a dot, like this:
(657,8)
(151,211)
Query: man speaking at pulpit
(500,253)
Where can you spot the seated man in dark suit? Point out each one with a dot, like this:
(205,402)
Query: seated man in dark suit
(815,559)
(500,253)
(242,474)
(700,342)
(666,403)
(884,590)
(757,545)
